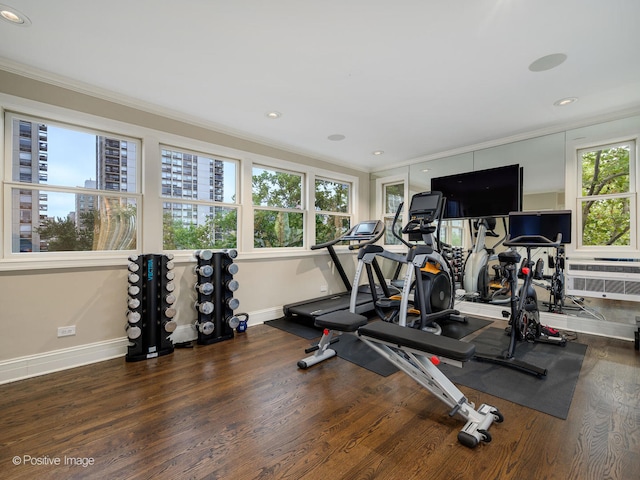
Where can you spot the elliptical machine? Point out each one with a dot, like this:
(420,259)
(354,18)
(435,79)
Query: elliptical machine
(476,279)
(428,286)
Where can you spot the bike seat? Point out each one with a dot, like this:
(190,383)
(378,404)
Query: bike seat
(509,256)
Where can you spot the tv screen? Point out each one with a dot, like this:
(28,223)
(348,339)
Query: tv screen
(545,223)
(493,192)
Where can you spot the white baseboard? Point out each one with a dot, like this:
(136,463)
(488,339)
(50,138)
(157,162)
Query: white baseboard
(40,364)
(572,323)
(29,366)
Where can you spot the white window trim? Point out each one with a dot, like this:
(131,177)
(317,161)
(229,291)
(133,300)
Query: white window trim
(573,196)
(150,183)
(10,260)
(207,151)
(381,183)
(310,237)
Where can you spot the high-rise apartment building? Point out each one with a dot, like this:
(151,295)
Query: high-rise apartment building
(114,170)
(29,166)
(189,176)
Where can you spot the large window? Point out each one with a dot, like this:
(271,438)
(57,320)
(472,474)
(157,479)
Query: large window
(606,202)
(333,208)
(199,208)
(70,189)
(278,210)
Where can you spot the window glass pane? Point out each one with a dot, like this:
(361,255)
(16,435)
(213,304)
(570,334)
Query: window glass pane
(89,223)
(192,227)
(329,227)
(332,196)
(605,170)
(65,157)
(197,176)
(273,228)
(451,232)
(271,188)
(393,196)
(606,222)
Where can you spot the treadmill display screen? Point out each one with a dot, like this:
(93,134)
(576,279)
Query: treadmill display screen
(365,228)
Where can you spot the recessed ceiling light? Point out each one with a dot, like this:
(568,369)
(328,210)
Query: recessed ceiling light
(13,16)
(425,170)
(565,101)
(547,62)
(274,115)
(336,137)
(378,152)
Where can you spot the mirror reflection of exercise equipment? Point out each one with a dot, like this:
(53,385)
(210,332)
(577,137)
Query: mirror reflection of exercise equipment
(428,286)
(150,301)
(529,230)
(478,283)
(480,196)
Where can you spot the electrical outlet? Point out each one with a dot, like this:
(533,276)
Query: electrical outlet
(67,331)
(323,288)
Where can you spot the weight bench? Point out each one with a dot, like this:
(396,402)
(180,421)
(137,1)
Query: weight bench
(417,354)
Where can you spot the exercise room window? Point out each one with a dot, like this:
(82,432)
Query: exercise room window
(393,197)
(607,196)
(333,207)
(278,210)
(199,208)
(70,189)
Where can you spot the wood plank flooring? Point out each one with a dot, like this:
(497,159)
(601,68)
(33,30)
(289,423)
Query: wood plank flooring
(241,409)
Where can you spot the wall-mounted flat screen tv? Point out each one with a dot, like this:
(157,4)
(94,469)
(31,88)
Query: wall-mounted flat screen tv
(493,192)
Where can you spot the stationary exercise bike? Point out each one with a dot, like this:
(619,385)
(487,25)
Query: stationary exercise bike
(428,285)
(524,315)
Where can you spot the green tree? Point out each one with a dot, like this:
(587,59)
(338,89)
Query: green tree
(606,220)
(218,231)
(277,227)
(62,234)
(331,196)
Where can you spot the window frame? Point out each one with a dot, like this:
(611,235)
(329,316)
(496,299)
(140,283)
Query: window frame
(380,189)
(348,214)
(7,256)
(573,193)
(149,180)
(194,201)
(303,210)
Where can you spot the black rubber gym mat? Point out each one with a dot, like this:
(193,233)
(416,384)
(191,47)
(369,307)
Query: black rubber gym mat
(301,327)
(551,394)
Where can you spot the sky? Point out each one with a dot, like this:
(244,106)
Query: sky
(72,161)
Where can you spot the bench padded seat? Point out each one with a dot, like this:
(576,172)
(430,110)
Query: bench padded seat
(419,340)
(342,321)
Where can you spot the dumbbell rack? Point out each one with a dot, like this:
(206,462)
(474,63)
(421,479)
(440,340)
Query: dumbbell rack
(215,302)
(151,312)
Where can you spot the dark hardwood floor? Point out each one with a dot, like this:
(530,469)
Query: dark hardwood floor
(241,409)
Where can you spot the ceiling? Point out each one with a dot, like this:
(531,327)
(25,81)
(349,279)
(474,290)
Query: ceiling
(411,78)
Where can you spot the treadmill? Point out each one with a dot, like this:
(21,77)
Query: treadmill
(364,233)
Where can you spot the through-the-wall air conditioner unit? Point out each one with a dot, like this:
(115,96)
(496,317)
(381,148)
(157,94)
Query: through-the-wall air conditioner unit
(613,279)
